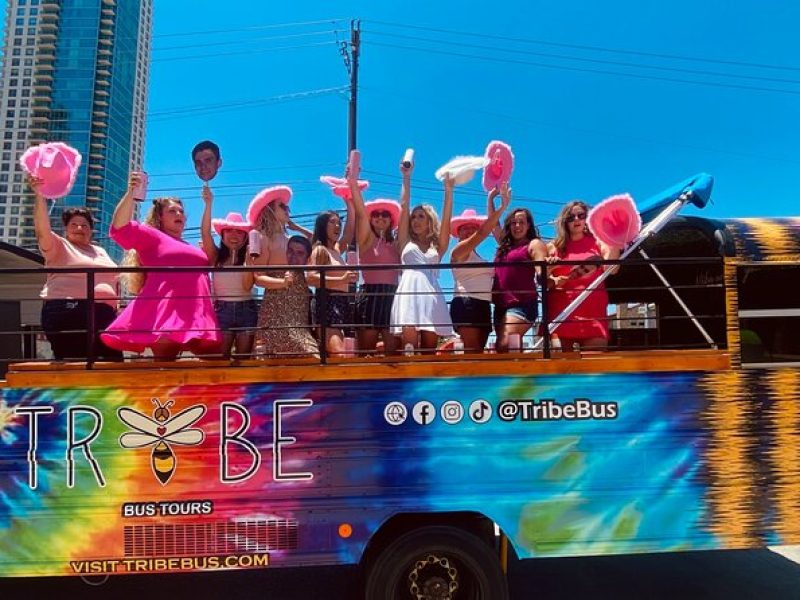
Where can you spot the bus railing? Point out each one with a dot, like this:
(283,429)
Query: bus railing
(90,357)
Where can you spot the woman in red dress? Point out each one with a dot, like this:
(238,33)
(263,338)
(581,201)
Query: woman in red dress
(587,326)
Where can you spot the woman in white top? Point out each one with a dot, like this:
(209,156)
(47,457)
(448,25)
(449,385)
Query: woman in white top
(419,311)
(237,310)
(471,308)
(65,312)
(333,304)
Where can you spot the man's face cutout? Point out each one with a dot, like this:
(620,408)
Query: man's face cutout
(206,164)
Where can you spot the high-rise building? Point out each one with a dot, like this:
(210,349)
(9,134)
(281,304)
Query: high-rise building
(74,71)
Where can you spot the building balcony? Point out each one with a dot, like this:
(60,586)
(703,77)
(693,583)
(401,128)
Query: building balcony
(102,82)
(94,187)
(42,97)
(99,124)
(45,36)
(100,92)
(47,45)
(105,20)
(103,62)
(95,176)
(43,85)
(98,134)
(102,72)
(50,5)
(103,52)
(99,114)
(43,77)
(42,116)
(109,3)
(44,66)
(94,163)
(100,102)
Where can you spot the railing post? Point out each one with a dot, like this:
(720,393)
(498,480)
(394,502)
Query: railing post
(545,323)
(323,312)
(91,324)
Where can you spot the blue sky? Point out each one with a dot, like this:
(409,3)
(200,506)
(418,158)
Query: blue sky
(581,127)
(596,98)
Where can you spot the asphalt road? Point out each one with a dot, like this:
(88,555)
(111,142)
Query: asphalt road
(732,575)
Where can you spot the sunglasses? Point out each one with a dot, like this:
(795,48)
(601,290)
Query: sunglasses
(380,214)
(578,217)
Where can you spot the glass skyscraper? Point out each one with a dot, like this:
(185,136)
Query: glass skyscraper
(74,71)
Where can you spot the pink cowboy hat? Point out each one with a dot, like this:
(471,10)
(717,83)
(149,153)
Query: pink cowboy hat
(385,204)
(501,163)
(461,168)
(615,221)
(234,220)
(469,216)
(56,164)
(340,187)
(281,193)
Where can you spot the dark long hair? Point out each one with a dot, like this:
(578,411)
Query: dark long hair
(321,228)
(224,253)
(507,243)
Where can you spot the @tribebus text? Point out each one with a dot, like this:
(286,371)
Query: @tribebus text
(175,563)
(546,409)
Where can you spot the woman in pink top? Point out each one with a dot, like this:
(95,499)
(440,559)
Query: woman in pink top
(587,326)
(514,292)
(236,309)
(172,311)
(377,245)
(65,312)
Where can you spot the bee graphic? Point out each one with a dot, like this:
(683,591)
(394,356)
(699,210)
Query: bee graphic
(161,431)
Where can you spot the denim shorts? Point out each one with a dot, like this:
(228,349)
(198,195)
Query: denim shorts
(236,315)
(527,311)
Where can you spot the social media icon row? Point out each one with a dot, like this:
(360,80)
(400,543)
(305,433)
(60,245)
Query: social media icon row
(425,413)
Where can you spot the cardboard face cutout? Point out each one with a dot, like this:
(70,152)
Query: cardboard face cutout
(207,160)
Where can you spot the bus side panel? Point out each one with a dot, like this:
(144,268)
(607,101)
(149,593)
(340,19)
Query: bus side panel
(204,477)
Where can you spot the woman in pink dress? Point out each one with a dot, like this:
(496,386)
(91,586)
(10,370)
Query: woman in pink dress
(172,311)
(587,326)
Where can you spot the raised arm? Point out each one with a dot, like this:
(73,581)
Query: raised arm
(306,233)
(123,213)
(447,214)
(365,237)
(405,200)
(464,248)
(497,231)
(349,228)
(41,217)
(209,247)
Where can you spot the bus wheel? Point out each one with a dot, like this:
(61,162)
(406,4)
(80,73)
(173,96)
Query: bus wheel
(436,563)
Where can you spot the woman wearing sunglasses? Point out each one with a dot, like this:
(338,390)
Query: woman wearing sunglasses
(587,326)
(377,245)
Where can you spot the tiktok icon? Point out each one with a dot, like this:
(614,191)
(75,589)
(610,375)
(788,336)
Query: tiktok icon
(480,411)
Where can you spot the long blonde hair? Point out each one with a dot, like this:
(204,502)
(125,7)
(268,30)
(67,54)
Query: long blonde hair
(433,226)
(134,282)
(268,223)
(562,235)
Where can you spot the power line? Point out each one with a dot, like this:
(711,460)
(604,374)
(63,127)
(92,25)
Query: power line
(252,28)
(587,60)
(584,70)
(239,53)
(239,42)
(190,111)
(593,48)
(394,94)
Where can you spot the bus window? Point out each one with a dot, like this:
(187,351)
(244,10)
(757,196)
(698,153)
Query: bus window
(769,316)
(698,282)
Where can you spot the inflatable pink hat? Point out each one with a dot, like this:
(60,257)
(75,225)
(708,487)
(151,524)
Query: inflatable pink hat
(234,220)
(615,221)
(468,217)
(501,164)
(340,187)
(56,164)
(392,207)
(281,193)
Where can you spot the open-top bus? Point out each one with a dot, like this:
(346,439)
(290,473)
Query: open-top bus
(684,435)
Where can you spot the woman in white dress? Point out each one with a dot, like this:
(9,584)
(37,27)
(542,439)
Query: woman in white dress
(419,310)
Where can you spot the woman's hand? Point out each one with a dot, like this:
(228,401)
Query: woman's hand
(207,194)
(288,279)
(449,182)
(505,195)
(406,171)
(35,183)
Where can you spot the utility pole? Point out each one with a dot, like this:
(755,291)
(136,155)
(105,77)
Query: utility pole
(351,55)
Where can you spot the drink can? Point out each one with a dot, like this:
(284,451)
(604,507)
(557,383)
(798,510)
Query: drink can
(140,191)
(254,243)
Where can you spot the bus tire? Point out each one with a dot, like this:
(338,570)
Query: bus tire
(436,562)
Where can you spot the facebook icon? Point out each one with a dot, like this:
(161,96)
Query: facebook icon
(423,412)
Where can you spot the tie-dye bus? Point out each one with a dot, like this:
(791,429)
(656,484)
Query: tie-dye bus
(411,467)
